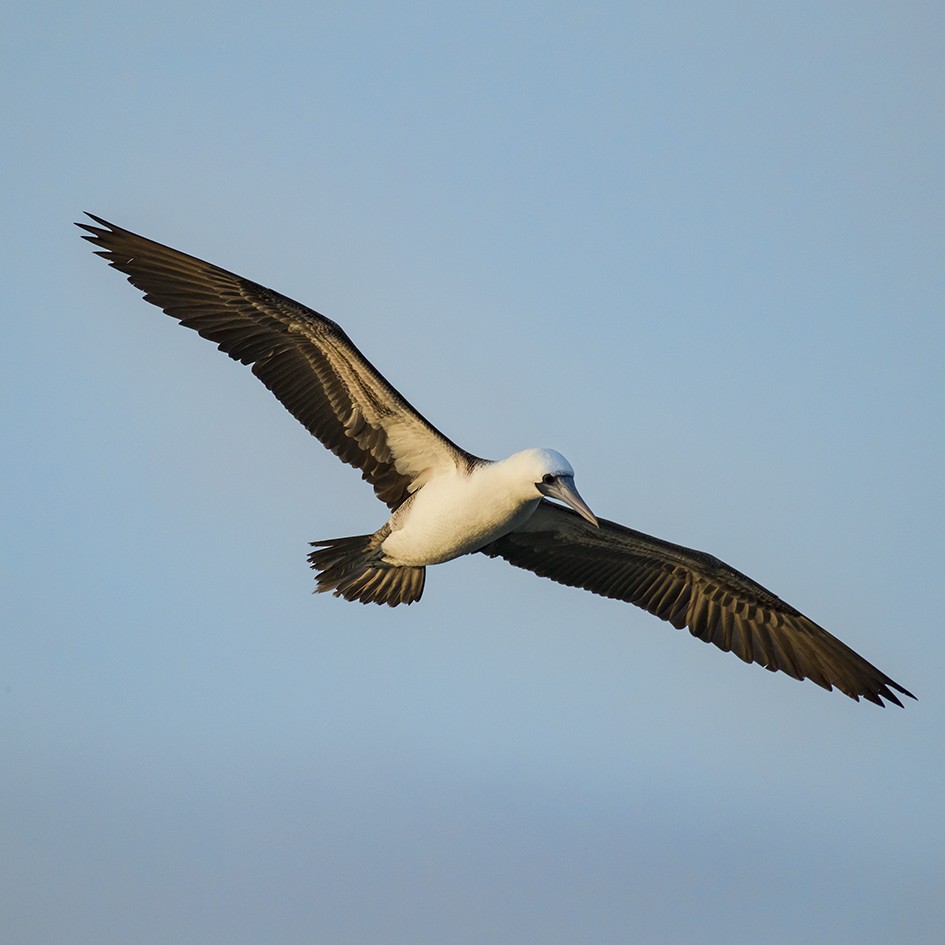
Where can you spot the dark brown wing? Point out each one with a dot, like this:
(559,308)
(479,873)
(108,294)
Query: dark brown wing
(690,589)
(305,359)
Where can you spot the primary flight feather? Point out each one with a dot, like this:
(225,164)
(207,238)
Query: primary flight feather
(445,502)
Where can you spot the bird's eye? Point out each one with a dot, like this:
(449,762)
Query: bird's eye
(548,479)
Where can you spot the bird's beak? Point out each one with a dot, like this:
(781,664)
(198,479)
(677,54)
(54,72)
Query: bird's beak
(563,488)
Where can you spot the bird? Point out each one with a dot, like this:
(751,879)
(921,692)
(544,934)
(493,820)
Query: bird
(444,502)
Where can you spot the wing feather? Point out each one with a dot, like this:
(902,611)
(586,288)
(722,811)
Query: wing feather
(305,359)
(690,589)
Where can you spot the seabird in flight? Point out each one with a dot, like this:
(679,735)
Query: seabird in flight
(445,502)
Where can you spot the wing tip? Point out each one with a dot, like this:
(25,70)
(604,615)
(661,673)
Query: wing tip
(877,694)
(97,235)
(94,229)
(887,693)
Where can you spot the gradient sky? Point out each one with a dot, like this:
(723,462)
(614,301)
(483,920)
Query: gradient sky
(698,248)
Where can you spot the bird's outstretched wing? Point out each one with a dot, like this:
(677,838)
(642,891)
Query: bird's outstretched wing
(305,359)
(690,589)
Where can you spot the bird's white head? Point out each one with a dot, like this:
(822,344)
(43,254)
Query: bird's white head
(553,476)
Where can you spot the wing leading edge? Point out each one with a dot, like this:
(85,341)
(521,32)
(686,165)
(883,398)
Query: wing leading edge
(690,589)
(305,359)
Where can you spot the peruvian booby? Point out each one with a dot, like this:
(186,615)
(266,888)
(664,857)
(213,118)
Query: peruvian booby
(445,502)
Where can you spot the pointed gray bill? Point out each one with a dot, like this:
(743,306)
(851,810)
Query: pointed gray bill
(563,488)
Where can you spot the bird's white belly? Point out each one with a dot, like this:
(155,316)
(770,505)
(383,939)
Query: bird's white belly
(452,518)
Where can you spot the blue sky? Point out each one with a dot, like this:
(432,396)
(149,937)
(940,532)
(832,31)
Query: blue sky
(697,248)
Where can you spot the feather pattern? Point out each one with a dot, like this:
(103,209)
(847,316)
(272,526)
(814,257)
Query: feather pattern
(690,589)
(305,359)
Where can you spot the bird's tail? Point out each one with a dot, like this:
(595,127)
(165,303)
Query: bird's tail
(350,568)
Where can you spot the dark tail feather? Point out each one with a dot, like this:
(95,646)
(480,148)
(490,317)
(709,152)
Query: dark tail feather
(349,568)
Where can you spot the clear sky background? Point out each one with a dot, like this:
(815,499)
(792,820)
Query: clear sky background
(698,248)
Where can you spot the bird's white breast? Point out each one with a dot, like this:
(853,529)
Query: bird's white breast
(456,514)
